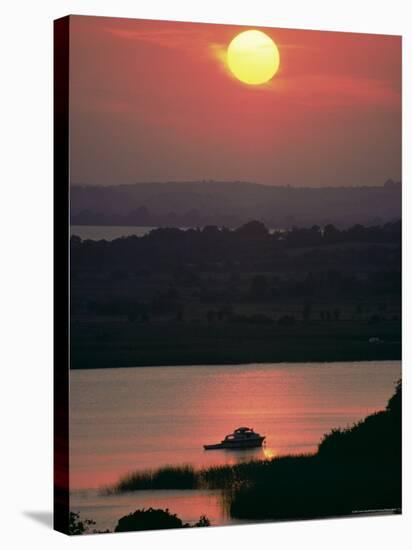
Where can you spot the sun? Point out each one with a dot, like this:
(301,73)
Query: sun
(253,57)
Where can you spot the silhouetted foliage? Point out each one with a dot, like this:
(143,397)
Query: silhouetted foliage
(253,231)
(78,526)
(145,520)
(363,442)
(203,522)
(183,250)
(355,469)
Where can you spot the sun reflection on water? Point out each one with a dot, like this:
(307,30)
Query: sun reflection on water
(269,453)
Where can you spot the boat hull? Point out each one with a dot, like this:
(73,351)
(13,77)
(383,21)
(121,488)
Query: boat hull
(246,444)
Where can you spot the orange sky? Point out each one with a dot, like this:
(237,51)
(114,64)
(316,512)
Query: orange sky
(154,101)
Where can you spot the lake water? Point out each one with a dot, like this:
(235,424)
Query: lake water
(137,418)
(111,232)
(108,232)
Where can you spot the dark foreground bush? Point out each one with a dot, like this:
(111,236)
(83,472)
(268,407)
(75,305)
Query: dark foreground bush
(77,526)
(146,520)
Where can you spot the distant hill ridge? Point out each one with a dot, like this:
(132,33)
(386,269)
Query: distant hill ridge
(200,203)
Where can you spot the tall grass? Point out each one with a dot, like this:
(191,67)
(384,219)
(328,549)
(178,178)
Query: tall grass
(167,477)
(228,477)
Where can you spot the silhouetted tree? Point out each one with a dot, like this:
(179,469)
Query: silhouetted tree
(253,230)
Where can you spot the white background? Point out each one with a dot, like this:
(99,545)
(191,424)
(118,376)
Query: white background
(26,281)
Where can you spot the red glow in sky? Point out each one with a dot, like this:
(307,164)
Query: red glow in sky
(155,101)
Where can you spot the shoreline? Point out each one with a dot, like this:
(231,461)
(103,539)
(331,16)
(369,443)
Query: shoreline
(251,364)
(116,343)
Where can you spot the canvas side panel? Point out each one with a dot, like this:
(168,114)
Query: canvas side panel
(61,274)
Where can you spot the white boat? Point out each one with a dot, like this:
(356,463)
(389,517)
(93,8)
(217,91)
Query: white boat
(241,438)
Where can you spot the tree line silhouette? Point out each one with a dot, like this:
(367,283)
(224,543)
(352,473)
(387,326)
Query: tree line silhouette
(251,242)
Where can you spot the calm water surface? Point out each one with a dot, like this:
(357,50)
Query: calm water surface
(108,232)
(111,232)
(136,418)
